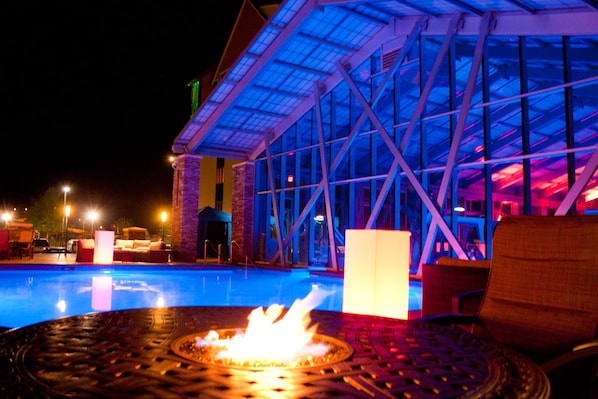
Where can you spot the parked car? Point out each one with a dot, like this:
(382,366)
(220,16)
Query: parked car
(40,245)
(71,245)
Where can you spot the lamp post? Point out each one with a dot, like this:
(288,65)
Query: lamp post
(67,213)
(65,190)
(92,215)
(163,217)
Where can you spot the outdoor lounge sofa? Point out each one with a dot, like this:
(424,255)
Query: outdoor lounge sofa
(140,251)
(127,251)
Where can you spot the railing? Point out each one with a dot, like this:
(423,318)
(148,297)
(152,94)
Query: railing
(205,250)
(247,259)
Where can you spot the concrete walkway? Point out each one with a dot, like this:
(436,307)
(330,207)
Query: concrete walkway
(43,259)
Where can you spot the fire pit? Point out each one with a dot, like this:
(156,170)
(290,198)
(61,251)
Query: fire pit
(273,338)
(129,353)
(187,347)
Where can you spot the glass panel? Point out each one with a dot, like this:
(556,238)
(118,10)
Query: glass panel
(262,225)
(463,54)
(472,142)
(261,170)
(304,231)
(360,156)
(436,133)
(407,86)
(326,122)
(362,204)
(549,184)
(289,160)
(304,130)
(276,146)
(386,216)
(342,170)
(341,111)
(507,198)
(547,130)
(306,160)
(470,228)
(342,209)
(502,60)
(383,157)
(321,242)
(588,200)
(436,102)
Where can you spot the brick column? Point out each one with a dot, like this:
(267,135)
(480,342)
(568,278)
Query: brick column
(243,198)
(185,205)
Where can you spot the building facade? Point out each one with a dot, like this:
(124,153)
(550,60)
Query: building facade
(346,115)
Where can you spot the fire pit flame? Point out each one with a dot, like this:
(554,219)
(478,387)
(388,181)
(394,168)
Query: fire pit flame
(271,339)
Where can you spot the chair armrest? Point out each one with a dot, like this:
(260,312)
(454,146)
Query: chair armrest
(458,300)
(448,319)
(587,349)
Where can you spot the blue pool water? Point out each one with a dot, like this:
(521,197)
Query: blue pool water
(31,296)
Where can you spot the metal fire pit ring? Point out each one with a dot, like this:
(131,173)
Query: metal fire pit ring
(187,348)
(127,354)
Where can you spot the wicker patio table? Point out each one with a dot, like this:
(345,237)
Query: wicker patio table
(127,354)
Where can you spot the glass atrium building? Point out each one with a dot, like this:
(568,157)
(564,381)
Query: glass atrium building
(433,117)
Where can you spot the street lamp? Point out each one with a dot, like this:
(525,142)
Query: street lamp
(65,190)
(6,217)
(92,215)
(67,213)
(163,217)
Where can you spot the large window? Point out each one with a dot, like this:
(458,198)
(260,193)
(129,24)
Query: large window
(528,133)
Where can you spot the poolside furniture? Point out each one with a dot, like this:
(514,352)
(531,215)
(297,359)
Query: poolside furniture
(127,251)
(140,250)
(23,245)
(542,297)
(449,277)
(4,244)
(85,250)
(134,354)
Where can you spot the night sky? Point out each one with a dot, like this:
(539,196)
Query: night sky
(94,93)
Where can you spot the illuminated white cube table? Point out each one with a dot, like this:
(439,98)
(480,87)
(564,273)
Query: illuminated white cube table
(376,280)
(104,247)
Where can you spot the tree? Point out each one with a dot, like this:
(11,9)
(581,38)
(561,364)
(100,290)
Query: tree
(46,212)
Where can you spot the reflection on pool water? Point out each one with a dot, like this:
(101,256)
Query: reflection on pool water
(31,296)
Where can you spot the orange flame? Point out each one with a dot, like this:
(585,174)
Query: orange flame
(270,339)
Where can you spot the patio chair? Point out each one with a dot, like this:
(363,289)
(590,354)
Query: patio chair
(448,277)
(542,297)
(25,244)
(4,244)
(85,250)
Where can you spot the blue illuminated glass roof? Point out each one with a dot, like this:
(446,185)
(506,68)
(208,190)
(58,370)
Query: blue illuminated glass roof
(271,84)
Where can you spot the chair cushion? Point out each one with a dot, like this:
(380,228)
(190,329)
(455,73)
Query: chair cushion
(124,243)
(156,245)
(141,243)
(86,243)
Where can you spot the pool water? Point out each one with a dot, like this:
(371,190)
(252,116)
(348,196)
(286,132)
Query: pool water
(32,296)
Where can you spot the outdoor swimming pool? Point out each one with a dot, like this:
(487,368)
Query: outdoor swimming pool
(30,296)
